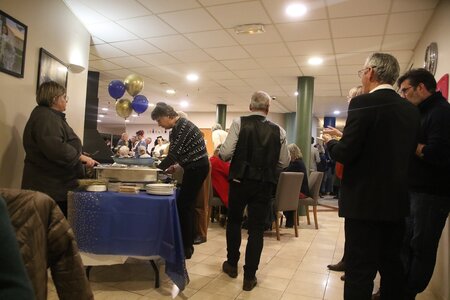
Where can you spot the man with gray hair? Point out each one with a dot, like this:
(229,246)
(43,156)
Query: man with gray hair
(378,142)
(257,150)
(218,135)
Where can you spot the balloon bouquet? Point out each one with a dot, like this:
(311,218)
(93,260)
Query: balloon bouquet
(132,84)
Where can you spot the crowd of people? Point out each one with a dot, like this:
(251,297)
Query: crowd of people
(392,157)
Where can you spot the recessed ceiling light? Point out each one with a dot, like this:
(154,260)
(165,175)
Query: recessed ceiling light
(192,77)
(336,112)
(315,61)
(296,10)
(99,121)
(101,116)
(296,93)
(151,104)
(105,109)
(249,29)
(184,104)
(127,121)
(134,115)
(170,91)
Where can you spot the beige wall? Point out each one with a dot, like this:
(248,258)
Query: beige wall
(437,31)
(51,25)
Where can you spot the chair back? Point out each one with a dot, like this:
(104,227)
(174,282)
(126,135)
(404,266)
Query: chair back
(288,189)
(314,183)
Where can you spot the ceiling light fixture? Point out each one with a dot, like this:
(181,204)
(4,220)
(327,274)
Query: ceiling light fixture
(192,77)
(336,112)
(296,93)
(315,61)
(134,115)
(249,29)
(101,116)
(184,104)
(296,10)
(105,109)
(127,121)
(99,121)
(170,91)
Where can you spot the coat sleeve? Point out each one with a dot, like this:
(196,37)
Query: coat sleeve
(64,260)
(435,151)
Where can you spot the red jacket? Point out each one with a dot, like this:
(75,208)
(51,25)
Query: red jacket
(219,178)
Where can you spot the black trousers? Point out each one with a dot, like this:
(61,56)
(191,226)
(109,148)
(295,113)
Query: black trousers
(192,182)
(256,196)
(373,246)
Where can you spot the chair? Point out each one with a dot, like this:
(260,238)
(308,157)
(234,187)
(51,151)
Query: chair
(214,201)
(314,182)
(286,197)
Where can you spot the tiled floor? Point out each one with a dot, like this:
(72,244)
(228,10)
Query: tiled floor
(293,268)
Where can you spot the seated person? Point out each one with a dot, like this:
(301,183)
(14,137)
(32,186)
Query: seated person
(143,152)
(296,165)
(219,176)
(124,151)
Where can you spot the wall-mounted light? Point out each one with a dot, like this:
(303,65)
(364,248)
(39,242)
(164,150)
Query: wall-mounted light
(76,68)
(249,29)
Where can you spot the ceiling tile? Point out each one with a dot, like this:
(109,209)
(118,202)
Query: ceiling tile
(351,78)
(93,57)
(158,59)
(408,22)
(103,65)
(258,73)
(301,31)
(128,62)
(106,51)
(326,79)
(210,39)
(349,8)
(351,27)
(267,50)
(400,41)
(193,55)
(117,10)
(96,41)
(224,53)
(269,36)
(319,70)
(291,72)
(218,75)
(364,44)
(352,58)
(276,9)
(158,6)
(350,69)
(231,15)
(110,32)
(233,82)
(411,5)
(190,20)
(217,2)
(328,86)
(85,14)
(277,62)
(311,47)
(148,26)
(136,47)
(259,83)
(172,43)
(240,64)
(403,57)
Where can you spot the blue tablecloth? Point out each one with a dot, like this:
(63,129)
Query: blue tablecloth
(130,224)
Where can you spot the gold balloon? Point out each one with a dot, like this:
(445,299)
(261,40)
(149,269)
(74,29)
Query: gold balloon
(123,108)
(133,84)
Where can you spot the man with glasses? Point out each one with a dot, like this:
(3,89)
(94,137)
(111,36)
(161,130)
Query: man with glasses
(377,144)
(428,179)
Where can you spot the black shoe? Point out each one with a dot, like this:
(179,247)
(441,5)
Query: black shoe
(188,252)
(229,269)
(199,240)
(249,284)
(340,267)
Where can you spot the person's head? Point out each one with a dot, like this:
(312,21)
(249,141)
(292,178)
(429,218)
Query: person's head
(123,151)
(312,140)
(133,139)
(416,85)
(354,91)
(379,68)
(260,102)
(216,126)
(164,115)
(124,136)
(295,152)
(148,140)
(53,95)
(140,134)
(159,140)
(142,150)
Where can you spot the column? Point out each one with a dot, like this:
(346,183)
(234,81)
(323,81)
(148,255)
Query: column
(221,115)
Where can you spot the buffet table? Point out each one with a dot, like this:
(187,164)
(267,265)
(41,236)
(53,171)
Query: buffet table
(130,225)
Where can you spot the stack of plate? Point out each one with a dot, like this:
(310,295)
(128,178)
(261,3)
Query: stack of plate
(160,188)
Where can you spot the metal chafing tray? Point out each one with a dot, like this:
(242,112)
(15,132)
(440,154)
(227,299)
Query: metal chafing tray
(141,174)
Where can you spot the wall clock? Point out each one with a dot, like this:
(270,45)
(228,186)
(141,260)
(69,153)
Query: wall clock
(431,57)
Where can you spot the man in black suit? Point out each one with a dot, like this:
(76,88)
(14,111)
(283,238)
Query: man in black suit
(378,142)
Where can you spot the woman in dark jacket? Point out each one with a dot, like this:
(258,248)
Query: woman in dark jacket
(53,160)
(296,165)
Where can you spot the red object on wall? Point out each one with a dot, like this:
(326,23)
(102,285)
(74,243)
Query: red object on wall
(442,85)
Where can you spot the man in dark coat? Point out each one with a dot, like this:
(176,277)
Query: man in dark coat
(428,179)
(378,142)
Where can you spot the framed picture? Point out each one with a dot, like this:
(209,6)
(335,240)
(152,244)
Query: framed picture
(13,40)
(51,68)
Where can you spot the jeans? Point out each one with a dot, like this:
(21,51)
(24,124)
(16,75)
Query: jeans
(256,196)
(423,231)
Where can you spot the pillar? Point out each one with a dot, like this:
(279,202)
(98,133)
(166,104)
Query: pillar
(221,115)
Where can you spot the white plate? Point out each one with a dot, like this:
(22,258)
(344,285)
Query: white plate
(160,193)
(96,188)
(159,185)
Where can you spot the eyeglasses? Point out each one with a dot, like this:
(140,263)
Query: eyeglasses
(363,71)
(403,91)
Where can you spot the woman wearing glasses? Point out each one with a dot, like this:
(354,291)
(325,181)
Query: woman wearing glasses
(53,152)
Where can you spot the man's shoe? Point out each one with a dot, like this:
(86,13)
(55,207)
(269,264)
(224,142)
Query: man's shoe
(188,252)
(377,295)
(343,277)
(229,269)
(340,267)
(249,284)
(199,240)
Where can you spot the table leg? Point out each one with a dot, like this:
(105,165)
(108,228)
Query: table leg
(155,268)
(88,270)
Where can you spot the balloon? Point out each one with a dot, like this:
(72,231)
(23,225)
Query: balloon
(123,108)
(133,84)
(139,104)
(116,89)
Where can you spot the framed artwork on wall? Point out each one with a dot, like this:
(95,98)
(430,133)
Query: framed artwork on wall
(51,69)
(13,40)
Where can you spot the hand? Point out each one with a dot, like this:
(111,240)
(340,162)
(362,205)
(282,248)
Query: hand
(326,137)
(419,150)
(332,131)
(89,162)
(171,169)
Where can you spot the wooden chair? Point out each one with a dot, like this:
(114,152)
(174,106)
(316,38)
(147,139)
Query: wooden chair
(314,182)
(286,197)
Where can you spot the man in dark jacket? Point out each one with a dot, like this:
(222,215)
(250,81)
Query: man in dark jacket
(376,147)
(428,179)
(257,147)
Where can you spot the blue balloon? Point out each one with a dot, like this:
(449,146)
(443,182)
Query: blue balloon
(139,104)
(116,89)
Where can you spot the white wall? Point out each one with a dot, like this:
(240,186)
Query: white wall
(51,25)
(437,31)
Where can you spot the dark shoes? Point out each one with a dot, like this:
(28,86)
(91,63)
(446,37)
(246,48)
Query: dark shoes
(249,284)
(188,252)
(199,240)
(230,270)
(340,267)
(343,277)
